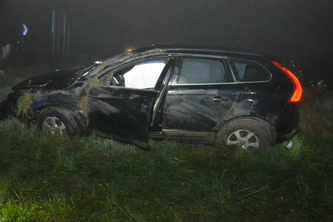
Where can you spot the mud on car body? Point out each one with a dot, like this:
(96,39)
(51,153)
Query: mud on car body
(222,96)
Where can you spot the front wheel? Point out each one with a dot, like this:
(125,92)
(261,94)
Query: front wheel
(247,133)
(60,121)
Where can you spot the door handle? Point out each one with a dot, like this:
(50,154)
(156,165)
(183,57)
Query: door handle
(220,99)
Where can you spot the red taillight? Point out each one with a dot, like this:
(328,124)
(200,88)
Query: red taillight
(298,91)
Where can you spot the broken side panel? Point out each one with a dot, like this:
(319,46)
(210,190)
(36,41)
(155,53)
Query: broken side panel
(121,113)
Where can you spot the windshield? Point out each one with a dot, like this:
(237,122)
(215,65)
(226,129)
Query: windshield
(106,63)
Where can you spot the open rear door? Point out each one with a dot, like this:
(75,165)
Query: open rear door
(122,114)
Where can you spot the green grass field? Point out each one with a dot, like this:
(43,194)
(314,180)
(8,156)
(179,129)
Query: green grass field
(48,178)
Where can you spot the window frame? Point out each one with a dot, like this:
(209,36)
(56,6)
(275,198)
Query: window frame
(222,59)
(233,68)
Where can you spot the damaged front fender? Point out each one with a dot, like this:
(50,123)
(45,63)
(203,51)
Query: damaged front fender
(9,106)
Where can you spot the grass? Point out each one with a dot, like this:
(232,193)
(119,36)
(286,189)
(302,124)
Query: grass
(49,178)
(317,117)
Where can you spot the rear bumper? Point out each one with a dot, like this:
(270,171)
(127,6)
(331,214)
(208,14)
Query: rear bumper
(287,135)
(287,127)
(4,114)
(291,134)
(289,130)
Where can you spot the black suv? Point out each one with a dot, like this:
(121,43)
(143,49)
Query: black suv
(223,96)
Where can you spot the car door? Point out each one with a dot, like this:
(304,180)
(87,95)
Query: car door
(199,97)
(122,109)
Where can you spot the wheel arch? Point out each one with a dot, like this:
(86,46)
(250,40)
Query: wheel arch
(266,125)
(79,119)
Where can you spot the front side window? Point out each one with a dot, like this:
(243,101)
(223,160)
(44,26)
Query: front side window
(201,71)
(140,76)
(248,71)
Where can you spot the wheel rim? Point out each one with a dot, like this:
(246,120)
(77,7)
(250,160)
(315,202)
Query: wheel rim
(243,138)
(53,125)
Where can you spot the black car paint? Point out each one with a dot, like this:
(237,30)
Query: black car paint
(127,115)
(186,106)
(56,80)
(121,113)
(186,115)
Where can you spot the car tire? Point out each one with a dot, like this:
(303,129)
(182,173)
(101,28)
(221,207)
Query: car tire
(62,122)
(245,132)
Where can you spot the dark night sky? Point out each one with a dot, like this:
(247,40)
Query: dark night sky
(291,28)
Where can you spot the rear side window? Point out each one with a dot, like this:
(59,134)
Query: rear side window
(248,71)
(197,70)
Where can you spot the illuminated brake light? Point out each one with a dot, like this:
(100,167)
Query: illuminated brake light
(298,91)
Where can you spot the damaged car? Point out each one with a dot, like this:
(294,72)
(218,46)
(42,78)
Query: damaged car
(213,95)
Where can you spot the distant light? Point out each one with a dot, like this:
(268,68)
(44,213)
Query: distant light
(98,62)
(129,50)
(25,29)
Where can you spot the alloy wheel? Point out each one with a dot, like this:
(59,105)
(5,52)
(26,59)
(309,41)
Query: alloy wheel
(54,126)
(243,138)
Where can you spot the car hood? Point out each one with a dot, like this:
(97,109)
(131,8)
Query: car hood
(56,80)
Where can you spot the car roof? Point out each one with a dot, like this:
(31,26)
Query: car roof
(196,49)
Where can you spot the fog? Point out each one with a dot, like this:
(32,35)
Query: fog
(290,29)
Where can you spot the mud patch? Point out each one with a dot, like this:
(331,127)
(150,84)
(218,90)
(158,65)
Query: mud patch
(24,104)
(84,105)
(56,91)
(95,82)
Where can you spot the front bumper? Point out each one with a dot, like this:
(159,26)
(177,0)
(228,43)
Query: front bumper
(9,106)
(4,110)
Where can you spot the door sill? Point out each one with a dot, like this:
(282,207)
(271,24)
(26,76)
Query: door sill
(206,137)
(140,144)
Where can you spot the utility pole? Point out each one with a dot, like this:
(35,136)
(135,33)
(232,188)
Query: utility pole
(22,41)
(53,31)
(69,36)
(185,32)
(64,42)
(58,36)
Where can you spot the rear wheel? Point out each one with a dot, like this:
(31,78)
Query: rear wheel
(60,121)
(247,133)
